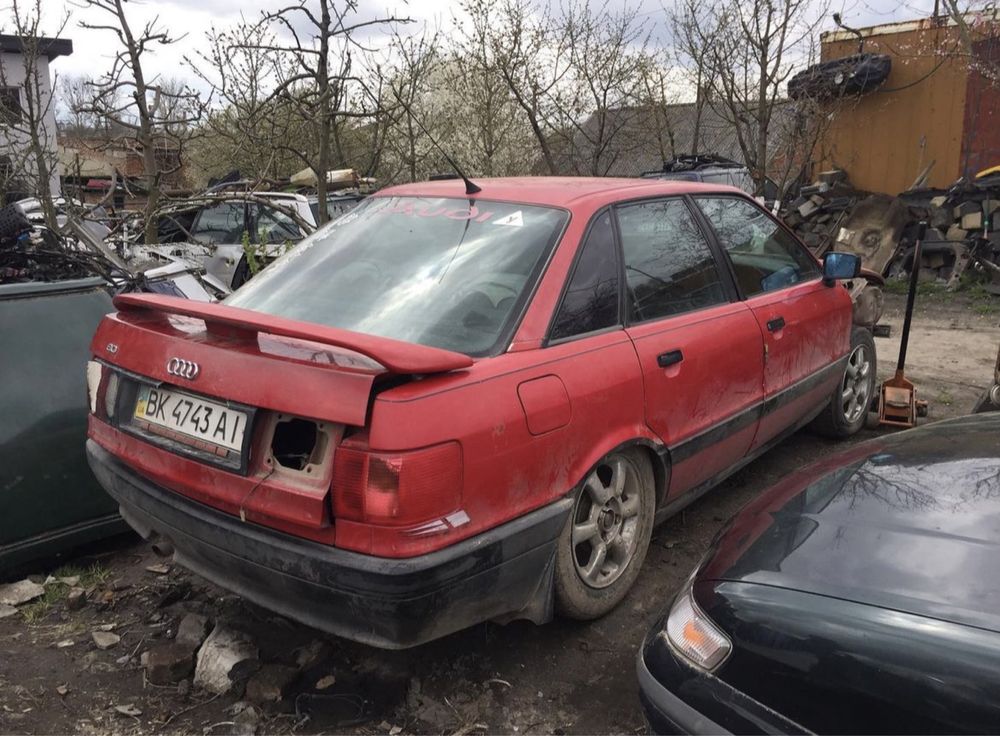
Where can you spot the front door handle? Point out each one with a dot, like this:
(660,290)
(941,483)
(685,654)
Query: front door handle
(776,324)
(665,360)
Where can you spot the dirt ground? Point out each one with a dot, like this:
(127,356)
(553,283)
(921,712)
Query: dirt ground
(562,678)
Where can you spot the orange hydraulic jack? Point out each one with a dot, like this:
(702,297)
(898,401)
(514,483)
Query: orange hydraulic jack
(898,406)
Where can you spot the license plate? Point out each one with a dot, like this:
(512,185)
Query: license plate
(194,421)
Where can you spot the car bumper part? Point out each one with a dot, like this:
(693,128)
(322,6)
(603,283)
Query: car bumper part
(504,573)
(678,698)
(667,713)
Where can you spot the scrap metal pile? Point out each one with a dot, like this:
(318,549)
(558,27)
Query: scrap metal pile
(32,253)
(963,227)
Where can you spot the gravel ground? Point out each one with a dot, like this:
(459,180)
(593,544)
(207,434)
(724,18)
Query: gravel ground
(562,678)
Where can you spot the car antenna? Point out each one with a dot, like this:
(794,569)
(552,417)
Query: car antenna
(470,186)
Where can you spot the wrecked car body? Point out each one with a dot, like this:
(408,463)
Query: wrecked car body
(230,234)
(54,291)
(49,499)
(311,448)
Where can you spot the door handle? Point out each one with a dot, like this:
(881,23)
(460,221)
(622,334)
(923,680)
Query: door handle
(667,359)
(776,324)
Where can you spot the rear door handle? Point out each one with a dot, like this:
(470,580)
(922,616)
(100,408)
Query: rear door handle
(665,360)
(776,324)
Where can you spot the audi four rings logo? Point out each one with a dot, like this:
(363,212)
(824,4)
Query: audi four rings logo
(183,368)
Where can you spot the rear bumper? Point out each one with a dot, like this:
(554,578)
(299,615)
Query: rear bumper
(390,603)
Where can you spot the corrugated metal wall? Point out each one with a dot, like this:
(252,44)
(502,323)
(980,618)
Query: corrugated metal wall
(885,139)
(981,142)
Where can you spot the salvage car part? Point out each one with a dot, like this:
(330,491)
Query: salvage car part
(850,76)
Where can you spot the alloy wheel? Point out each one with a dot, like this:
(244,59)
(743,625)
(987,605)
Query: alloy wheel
(855,392)
(606,522)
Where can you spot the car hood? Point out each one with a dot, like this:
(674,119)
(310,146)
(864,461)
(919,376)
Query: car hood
(910,522)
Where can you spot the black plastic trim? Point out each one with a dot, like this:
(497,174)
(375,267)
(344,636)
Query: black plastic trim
(384,602)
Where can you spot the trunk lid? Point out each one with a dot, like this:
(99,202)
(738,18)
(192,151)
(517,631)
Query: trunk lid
(260,360)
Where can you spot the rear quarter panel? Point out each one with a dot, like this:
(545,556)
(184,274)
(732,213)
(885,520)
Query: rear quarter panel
(508,469)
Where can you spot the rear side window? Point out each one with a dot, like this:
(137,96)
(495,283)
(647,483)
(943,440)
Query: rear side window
(669,267)
(765,257)
(591,299)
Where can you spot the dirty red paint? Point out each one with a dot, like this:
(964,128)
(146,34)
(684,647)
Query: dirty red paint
(530,422)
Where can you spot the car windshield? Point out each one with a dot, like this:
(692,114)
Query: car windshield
(442,272)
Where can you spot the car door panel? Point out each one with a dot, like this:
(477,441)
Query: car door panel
(804,323)
(704,406)
(700,351)
(803,363)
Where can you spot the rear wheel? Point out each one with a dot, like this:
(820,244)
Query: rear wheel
(606,538)
(851,401)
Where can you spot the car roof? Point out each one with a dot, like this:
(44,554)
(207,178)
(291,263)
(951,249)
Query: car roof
(556,191)
(908,522)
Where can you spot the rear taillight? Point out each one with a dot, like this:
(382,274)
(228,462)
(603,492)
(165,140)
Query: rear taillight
(397,488)
(102,390)
(94,373)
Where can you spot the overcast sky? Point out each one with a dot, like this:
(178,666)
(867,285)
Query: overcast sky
(92,49)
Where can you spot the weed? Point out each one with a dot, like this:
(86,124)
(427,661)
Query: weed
(90,577)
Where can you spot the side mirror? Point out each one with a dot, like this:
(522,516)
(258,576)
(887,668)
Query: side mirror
(838,266)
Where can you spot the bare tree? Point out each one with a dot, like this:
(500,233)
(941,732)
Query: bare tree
(247,128)
(754,46)
(597,103)
(657,93)
(317,44)
(146,114)
(75,91)
(27,127)
(528,47)
(412,63)
(693,38)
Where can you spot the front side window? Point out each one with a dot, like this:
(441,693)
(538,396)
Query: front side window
(591,299)
(764,256)
(449,273)
(669,267)
(224,222)
(274,226)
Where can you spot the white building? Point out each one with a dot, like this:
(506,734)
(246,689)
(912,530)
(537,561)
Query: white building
(12,98)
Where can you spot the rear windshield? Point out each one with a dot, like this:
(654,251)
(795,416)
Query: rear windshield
(447,273)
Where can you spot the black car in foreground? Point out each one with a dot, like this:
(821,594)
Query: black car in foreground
(860,595)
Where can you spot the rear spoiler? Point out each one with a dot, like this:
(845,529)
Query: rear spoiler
(397,356)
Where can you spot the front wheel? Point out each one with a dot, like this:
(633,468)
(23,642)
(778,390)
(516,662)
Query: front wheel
(605,540)
(851,401)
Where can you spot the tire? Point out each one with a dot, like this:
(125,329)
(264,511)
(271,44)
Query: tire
(988,401)
(843,417)
(622,525)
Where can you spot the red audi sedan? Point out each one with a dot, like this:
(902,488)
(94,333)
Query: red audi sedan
(450,407)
